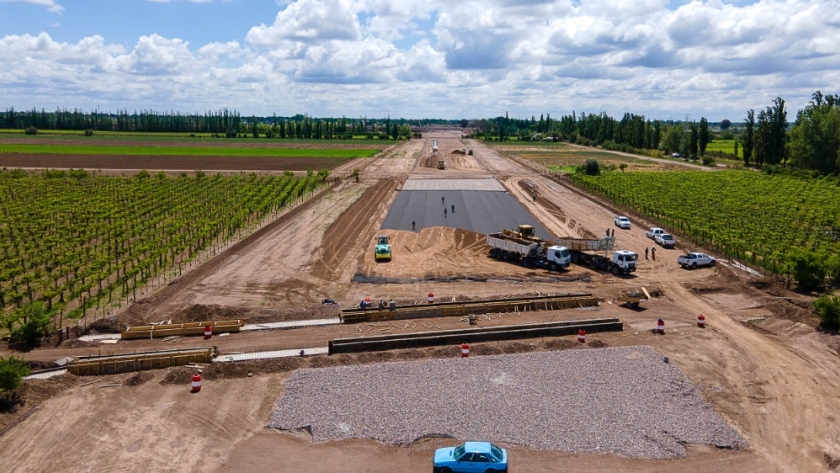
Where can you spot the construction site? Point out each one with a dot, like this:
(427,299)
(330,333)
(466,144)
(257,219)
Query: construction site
(319,345)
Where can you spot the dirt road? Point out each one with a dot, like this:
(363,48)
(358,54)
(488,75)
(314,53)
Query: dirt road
(759,361)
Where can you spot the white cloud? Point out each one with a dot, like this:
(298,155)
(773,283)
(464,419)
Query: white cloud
(50,4)
(456,59)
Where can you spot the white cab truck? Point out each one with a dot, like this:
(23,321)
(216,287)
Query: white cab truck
(521,245)
(584,251)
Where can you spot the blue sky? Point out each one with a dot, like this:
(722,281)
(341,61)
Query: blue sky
(419,58)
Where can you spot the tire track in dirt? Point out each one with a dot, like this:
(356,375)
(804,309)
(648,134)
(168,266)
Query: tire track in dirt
(347,231)
(774,388)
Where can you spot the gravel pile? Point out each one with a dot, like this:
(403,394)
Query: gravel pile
(622,401)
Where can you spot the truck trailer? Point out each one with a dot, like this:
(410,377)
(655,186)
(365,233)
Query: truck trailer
(523,246)
(584,251)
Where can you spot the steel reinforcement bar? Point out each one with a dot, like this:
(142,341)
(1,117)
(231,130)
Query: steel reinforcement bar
(484,334)
(446,309)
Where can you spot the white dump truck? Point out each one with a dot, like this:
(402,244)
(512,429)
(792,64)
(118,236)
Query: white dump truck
(523,246)
(585,251)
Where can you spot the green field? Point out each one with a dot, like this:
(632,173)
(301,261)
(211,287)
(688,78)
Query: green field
(68,237)
(722,146)
(748,215)
(125,150)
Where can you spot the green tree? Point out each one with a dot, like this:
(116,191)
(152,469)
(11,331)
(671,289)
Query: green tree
(673,138)
(591,167)
(725,124)
(748,139)
(704,136)
(815,136)
(33,324)
(807,268)
(828,307)
(12,371)
(771,134)
(692,146)
(656,135)
(735,150)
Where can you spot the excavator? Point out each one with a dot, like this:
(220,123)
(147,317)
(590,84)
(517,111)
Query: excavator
(383,248)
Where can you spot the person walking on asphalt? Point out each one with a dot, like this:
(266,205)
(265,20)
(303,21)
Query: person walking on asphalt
(443,200)
(444,212)
(412,229)
(453,208)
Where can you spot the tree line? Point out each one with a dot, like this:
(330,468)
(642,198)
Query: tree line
(224,122)
(811,143)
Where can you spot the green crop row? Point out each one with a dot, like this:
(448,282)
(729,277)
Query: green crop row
(748,215)
(123,150)
(72,241)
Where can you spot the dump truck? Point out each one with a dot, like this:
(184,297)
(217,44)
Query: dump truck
(584,251)
(383,248)
(441,164)
(523,246)
(434,146)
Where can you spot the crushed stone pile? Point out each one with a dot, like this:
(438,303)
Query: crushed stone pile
(622,401)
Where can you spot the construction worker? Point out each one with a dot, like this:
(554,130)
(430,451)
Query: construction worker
(653,253)
(646,252)
(412,225)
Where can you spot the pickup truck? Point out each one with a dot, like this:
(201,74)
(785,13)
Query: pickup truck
(622,222)
(654,232)
(665,240)
(695,259)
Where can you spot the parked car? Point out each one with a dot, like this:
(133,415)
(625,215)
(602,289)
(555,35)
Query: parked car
(675,155)
(622,222)
(695,260)
(665,240)
(654,232)
(483,457)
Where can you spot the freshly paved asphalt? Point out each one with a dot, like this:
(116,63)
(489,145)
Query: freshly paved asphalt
(477,211)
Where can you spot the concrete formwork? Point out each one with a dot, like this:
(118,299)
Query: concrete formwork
(446,309)
(483,334)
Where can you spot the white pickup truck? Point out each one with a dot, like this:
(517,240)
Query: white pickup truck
(695,259)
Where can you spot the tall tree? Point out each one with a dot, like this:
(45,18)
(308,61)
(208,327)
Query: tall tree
(815,136)
(673,138)
(692,146)
(771,134)
(748,140)
(703,135)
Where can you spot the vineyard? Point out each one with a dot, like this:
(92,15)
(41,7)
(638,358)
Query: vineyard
(71,242)
(751,216)
(184,151)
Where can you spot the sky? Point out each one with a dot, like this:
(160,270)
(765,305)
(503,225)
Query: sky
(420,58)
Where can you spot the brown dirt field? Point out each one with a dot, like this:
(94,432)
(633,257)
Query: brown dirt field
(171,163)
(759,361)
(194,143)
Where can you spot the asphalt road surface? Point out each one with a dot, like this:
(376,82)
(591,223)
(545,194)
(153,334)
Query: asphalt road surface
(477,211)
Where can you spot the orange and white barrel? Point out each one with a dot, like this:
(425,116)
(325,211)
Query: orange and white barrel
(582,336)
(701,321)
(196,383)
(465,350)
(208,332)
(660,326)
